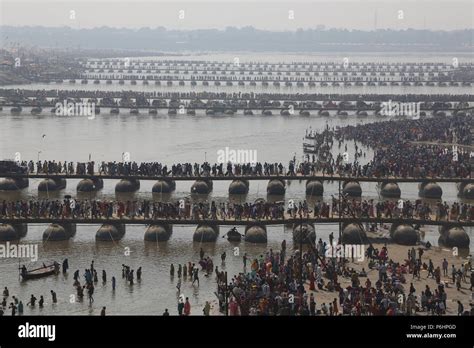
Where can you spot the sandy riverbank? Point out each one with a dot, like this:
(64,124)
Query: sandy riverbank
(399,253)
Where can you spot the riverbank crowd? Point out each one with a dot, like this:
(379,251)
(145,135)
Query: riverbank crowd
(281,285)
(397,151)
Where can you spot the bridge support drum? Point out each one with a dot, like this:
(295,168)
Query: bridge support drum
(59,232)
(110,232)
(256,234)
(164,186)
(404,234)
(390,189)
(127,185)
(8,233)
(314,188)
(466,190)
(52,184)
(352,189)
(22,229)
(202,186)
(304,233)
(90,185)
(13,184)
(158,233)
(353,234)
(454,236)
(206,234)
(430,190)
(276,187)
(239,187)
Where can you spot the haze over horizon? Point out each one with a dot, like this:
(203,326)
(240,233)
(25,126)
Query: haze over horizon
(260,14)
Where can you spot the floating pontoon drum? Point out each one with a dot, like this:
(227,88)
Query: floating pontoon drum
(276,187)
(158,233)
(314,188)
(430,189)
(206,233)
(256,234)
(404,234)
(127,185)
(353,234)
(305,232)
(110,232)
(239,187)
(164,186)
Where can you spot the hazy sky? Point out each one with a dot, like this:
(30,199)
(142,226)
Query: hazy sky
(263,14)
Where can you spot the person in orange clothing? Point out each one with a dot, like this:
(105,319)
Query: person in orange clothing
(187,307)
(268,267)
(263,305)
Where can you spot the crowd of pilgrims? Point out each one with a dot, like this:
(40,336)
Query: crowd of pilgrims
(91,279)
(19,94)
(159,169)
(259,210)
(394,155)
(279,284)
(274,285)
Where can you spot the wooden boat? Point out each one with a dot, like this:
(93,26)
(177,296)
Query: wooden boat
(233,235)
(41,272)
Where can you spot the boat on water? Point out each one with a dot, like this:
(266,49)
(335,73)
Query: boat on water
(41,272)
(233,235)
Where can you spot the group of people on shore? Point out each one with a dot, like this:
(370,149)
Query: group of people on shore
(277,285)
(280,283)
(396,152)
(192,270)
(394,155)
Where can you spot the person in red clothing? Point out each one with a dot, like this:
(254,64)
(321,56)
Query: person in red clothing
(187,307)
(311,281)
(233,307)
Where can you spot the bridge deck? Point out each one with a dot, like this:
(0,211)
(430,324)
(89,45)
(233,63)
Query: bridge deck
(319,176)
(219,221)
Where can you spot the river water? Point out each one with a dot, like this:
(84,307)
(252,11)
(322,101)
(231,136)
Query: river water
(168,139)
